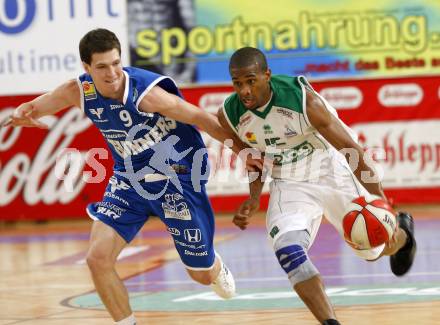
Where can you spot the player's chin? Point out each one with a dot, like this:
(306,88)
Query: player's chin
(250,106)
(113,87)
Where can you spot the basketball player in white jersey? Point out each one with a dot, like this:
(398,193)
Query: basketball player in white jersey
(285,118)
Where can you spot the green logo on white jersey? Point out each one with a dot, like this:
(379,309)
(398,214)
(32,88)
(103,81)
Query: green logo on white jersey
(292,155)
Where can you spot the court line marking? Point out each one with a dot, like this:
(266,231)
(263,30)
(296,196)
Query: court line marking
(89,286)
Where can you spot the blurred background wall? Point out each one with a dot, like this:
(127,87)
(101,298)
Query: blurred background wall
(376,62)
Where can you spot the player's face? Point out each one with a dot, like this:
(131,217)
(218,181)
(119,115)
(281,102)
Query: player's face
(252,85)
(107,74)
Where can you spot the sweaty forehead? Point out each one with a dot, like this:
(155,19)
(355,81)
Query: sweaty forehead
(245,72)
(107,57)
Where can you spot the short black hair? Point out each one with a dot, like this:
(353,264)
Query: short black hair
(247,56)
(98,40)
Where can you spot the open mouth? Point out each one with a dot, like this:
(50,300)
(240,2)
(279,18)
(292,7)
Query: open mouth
(248,102)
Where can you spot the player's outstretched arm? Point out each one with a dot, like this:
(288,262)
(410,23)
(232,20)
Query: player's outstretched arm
(335,133)
(160,101)
(27,114)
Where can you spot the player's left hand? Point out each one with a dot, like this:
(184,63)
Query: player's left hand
(24,116)
(244,212)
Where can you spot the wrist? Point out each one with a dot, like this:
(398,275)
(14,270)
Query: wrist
(255,198)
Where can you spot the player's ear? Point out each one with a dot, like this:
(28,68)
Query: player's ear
(86,67)
(268,74)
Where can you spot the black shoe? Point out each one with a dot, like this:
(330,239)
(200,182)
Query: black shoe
(331,322)
(402,261)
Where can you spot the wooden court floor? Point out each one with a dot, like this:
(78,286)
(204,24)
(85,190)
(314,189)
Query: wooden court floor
(43,278)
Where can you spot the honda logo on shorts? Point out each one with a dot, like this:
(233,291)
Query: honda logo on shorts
(192,235)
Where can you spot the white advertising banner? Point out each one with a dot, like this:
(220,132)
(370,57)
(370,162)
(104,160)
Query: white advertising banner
(39,40)
(408,156)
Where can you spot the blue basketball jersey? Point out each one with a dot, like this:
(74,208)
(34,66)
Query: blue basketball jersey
(140,140)
(134,136)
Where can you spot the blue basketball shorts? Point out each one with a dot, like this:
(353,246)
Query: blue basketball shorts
(188,215)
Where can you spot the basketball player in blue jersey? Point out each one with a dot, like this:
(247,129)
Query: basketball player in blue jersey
(284,117)
(160,166)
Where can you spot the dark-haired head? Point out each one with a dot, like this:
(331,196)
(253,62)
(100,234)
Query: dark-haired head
(247,56)
(250,77)
(100,53)
(98,40)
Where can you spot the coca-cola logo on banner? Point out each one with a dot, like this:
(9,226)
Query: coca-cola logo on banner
(410,94)
(343,97)
(34,175)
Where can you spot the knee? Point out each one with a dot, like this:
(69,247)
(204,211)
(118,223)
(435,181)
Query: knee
(291,251)
(206,277)
(98,260)
(296,263)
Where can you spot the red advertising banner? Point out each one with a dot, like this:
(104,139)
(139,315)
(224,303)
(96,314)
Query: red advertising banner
(29,186)
(398,118)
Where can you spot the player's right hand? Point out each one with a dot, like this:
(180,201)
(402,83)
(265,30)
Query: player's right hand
(244,212)
(24,116)
(254,160)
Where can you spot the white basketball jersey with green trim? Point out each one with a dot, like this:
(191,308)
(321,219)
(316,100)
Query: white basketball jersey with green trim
(283,131)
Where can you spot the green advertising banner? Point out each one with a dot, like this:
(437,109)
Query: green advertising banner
(317,38)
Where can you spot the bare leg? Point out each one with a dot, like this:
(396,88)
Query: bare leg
(313,294)
(219,277)
(208,276)
(105,246)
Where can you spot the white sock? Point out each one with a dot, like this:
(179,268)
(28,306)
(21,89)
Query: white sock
(130,320)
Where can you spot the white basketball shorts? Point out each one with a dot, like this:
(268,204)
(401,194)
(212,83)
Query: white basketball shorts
(300,205)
